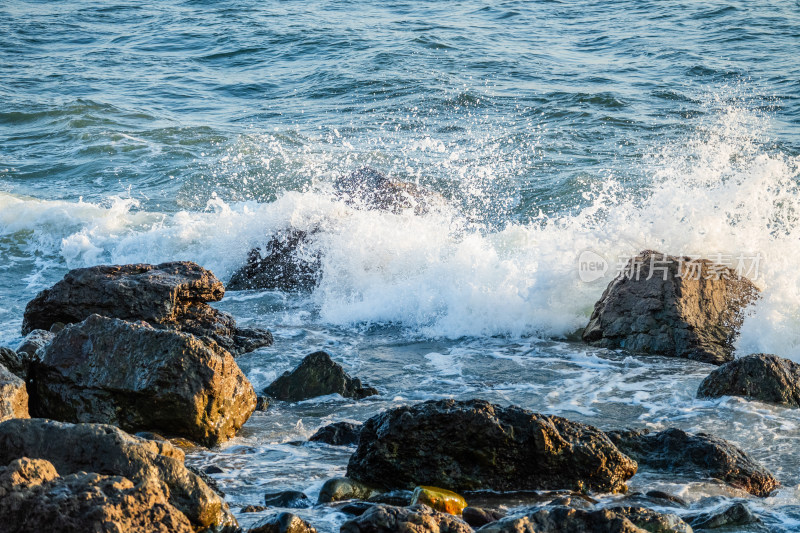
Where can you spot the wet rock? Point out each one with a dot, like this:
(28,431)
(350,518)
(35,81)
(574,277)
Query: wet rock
(478,517)
(213,469)
(13,396)
(470,445)
(763,377)
(401,498)
(253,509)
(342,488)
(574,502)
(33,497)
(288,262)
(441,500)
(283,523)
(170,295)
(288,498)
(357,508)
(104,449)
(317,375)
(559,519)
(33,341)
(368,188)
(338,434)
(676,451)
(738,514)
(131,375)
(414,519)
(667,497)
(262,403)
(690,309)
(13,362)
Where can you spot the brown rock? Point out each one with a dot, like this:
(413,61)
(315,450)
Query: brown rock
(317,375)
(690,309)
(415,519)
(111,371)
(763,377)
(13,396)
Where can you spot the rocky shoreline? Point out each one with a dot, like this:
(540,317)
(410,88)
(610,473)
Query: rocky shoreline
(122,364)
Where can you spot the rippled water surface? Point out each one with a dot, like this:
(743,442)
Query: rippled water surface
(146,132)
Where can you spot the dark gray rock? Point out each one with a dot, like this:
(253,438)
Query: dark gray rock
(13,396)
(478,517)
(685,315)
(107,450)
(317,375)
(356,508)
(763,377)
(283,523)
(677,452)
(33,341)
(293,499)
(13,362)
(131,375)
(338,434)
(170,295)
(471,445)
(342,488)
(414,519)
(401,498)
(738,514)
(288,262)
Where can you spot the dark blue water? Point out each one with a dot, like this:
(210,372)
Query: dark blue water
(192,130)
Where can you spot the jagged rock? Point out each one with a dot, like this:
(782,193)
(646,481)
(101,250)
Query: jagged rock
(442,500)
(468,445)
(676,451)
(338,434)
(763,377)
(111,371)
(13,396)
(317,375)
(559,519)
(38,338)
(477,517)
(689,314)
(283,523)
(342,488)
(288,262)
(13,362)
(288,498)
(107,450)
(39,500)
(414,519)
(738,514)
(170,295)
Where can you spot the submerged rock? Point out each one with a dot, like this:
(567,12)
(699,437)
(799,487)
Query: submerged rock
(470,445)
(560,519)
(13,396)
(438,499)
(338,434)
(763,377)
(283,523)
(170,295)
(673,306)
(131,375)
(107,450)
(342,488)
(317,375)
(287,498)
(414,519)
(738,514)
(675,451)
(33,497)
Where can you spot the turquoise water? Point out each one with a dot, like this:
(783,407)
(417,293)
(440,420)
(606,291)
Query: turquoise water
(192,130)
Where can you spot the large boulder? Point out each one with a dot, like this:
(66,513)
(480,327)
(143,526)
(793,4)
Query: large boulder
(33,497)
(136,377)
(764,377)
(13,396)
(673,306)
(317,375)
(107,450)
(170,295)
(470,445)
(676,451)
(561,519)
(414,519)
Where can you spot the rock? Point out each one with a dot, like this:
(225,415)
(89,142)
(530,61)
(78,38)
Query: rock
(675,451)
(253,509)
(13,396)
(559,519)
(107,450)
(470,445)
(367,188)
(573,501)
(33,341)
(288,262)
(131,375)
(170,295)
(262,403)
(288,498)
(414,519)
(763,377)
(283,523)
(689,314)
(338,434)
(477,517)
(317,375)
(400,498)
(441,500)
(13,362)
(667,497)
(357,508)
(33,497)
(213,469)
(342,488)
(738,514)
